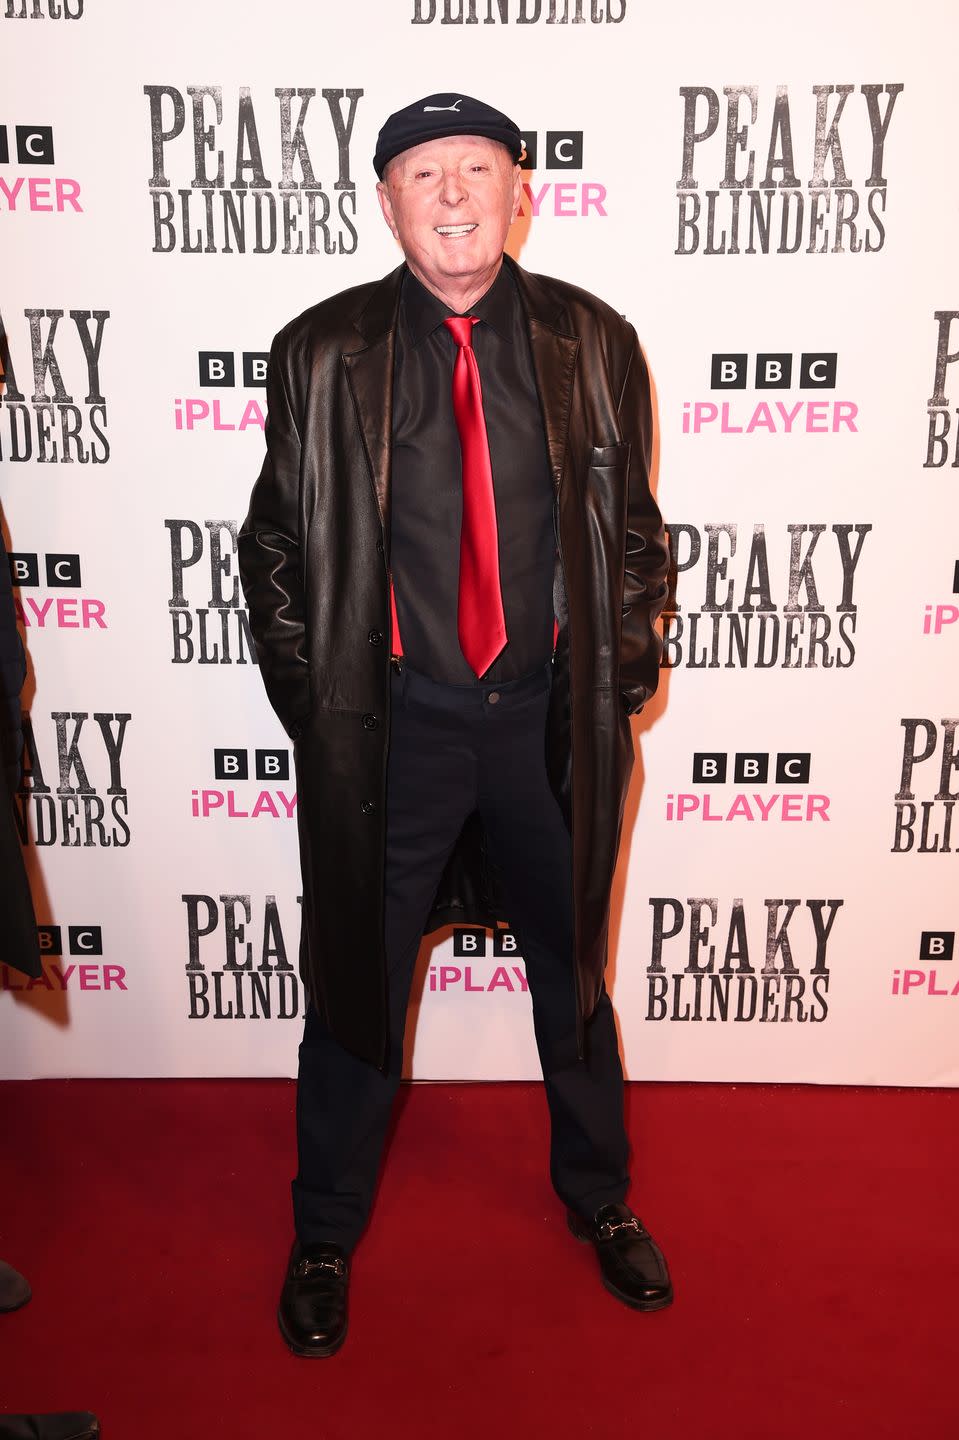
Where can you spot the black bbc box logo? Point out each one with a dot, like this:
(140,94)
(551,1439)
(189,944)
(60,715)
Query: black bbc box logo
(562,150)
(60,570)
(34,145)
(218,369)
(81,939)
(710,767)
(774,371)
(469,943)
(235,764)
(937,944)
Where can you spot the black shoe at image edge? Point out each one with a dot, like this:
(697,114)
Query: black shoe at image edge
(14,1289)
(70,1425)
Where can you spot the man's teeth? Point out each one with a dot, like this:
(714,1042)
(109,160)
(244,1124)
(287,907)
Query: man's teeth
(454,229)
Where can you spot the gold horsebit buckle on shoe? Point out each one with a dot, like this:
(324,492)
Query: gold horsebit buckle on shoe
(608,1229)
(305,1268)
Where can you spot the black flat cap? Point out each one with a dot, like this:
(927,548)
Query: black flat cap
(437,115)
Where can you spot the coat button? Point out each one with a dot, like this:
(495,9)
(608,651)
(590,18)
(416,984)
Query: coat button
(379,547)
(375,637)
(368,807)
(493,696)
(370,722)
(295,731)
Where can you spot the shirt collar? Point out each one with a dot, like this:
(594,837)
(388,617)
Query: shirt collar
(425,311)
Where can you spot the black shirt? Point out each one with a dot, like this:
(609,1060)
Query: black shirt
(426,484)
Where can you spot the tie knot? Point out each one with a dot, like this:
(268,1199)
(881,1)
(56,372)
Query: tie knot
(461,328)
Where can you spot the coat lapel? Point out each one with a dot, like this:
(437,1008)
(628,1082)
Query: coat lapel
(554,360)
(369,372)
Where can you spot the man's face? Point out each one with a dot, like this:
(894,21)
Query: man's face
(450,203)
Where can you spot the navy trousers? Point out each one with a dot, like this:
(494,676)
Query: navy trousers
(455,749)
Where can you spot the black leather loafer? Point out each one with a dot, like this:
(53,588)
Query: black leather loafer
(632,1265)
(313,1312)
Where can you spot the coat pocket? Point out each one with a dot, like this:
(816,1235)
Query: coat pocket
(609,457)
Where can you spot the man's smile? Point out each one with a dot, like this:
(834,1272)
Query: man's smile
(452,232)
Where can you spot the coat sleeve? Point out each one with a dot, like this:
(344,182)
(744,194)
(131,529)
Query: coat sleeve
(647,554)
(269,553)
(13,669)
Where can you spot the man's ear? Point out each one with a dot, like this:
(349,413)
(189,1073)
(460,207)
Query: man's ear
(517,192)
(383,195)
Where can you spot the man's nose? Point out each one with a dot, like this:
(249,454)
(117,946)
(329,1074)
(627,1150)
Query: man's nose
(453,189)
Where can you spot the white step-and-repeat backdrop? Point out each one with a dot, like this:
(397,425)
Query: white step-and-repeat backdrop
(769,196)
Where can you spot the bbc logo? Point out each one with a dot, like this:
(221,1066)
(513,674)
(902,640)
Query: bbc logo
(470,944)
(774,372)
(218,369)
(60,570)
(81,939)
(937,944)
(751,767)
(34,145)
(235,764)
(563,150)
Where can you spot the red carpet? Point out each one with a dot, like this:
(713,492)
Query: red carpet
(812,1235)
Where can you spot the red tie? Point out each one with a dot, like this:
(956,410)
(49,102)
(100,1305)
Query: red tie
(481,624)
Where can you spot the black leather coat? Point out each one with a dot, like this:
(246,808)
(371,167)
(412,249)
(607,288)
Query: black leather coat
(314,563)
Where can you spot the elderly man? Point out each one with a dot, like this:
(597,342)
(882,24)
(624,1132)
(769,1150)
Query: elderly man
(453,565)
